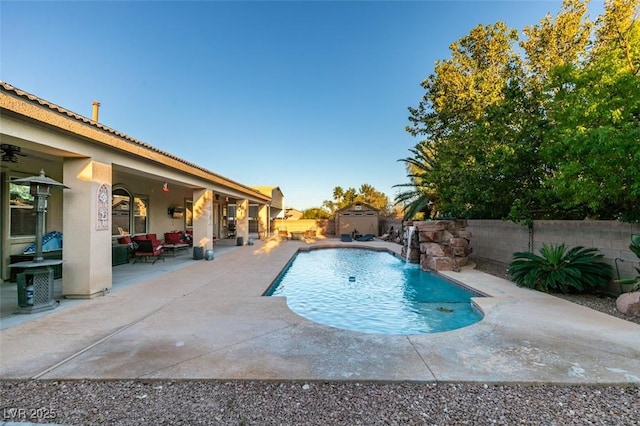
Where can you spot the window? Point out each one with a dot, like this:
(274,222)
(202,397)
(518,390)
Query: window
(128,217)
(22,212)
(253,212)
(120,212)
(231,213)
(140,215)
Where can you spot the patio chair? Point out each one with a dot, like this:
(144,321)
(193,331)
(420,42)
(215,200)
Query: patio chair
(231,230)
(366,237)
(148,249)
(283,234)
(346,238)
(133,245)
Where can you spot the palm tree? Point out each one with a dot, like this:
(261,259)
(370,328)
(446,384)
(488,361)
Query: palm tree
(338,193)
(421,196)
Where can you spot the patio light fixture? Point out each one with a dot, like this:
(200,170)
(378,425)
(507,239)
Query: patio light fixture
(40,187)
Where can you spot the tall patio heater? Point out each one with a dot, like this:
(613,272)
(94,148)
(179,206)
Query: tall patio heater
(35,283)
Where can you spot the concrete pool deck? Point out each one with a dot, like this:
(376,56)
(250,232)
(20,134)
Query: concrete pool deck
(210,321)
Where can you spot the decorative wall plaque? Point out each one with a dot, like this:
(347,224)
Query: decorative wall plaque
(104,208)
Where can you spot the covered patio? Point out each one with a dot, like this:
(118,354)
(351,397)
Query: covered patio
(114,186)
(123,276)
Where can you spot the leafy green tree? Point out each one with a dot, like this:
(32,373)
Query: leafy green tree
(552,43)
(329,206)
(315,213)
(452,117)
(376,199)
(550,132)
(350,196)
(593,148)
(366,194)
(556,42)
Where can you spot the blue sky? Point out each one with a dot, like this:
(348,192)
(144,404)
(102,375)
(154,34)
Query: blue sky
(299,94)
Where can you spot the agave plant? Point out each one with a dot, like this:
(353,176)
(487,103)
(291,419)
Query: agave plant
(559,269)
(635,248)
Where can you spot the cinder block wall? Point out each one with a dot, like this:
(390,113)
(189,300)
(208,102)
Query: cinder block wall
(322,226)
(497,240)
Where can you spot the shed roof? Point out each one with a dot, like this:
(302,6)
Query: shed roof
(363,206)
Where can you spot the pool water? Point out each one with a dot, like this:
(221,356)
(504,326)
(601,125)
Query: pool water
(372,292)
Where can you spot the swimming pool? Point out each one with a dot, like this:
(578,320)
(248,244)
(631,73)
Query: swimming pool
(372,292)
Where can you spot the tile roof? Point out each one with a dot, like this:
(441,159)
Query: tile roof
(34,99)
(10,89)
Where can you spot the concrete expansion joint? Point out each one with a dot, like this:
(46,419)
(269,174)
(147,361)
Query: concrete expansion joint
(424,361)
(104,339)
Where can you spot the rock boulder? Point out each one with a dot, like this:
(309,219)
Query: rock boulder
(444,244)
(629,303)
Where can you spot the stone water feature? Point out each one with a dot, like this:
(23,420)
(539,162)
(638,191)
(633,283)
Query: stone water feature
(438,245)
(411,247)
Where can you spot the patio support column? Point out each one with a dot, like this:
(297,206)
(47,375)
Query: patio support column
(263,220)
(86,254)
(203,218)
(242,219)
(216,220)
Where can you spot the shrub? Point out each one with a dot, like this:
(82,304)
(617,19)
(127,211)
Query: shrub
(558,269)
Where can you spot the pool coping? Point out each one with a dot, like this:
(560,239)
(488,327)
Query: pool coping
(474,293)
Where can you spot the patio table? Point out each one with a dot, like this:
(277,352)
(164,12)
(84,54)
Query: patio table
(173,248)
(297,235)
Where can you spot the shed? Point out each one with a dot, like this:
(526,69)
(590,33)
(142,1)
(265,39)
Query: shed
(358,218)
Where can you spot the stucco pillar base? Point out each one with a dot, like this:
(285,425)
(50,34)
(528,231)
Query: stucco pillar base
(87,296)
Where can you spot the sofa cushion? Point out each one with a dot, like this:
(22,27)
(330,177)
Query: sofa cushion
(173,237)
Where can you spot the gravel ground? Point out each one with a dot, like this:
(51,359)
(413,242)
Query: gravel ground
(210,402)
(316,403)
(598,302)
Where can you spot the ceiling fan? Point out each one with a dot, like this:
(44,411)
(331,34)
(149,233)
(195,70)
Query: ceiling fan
(10,153)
